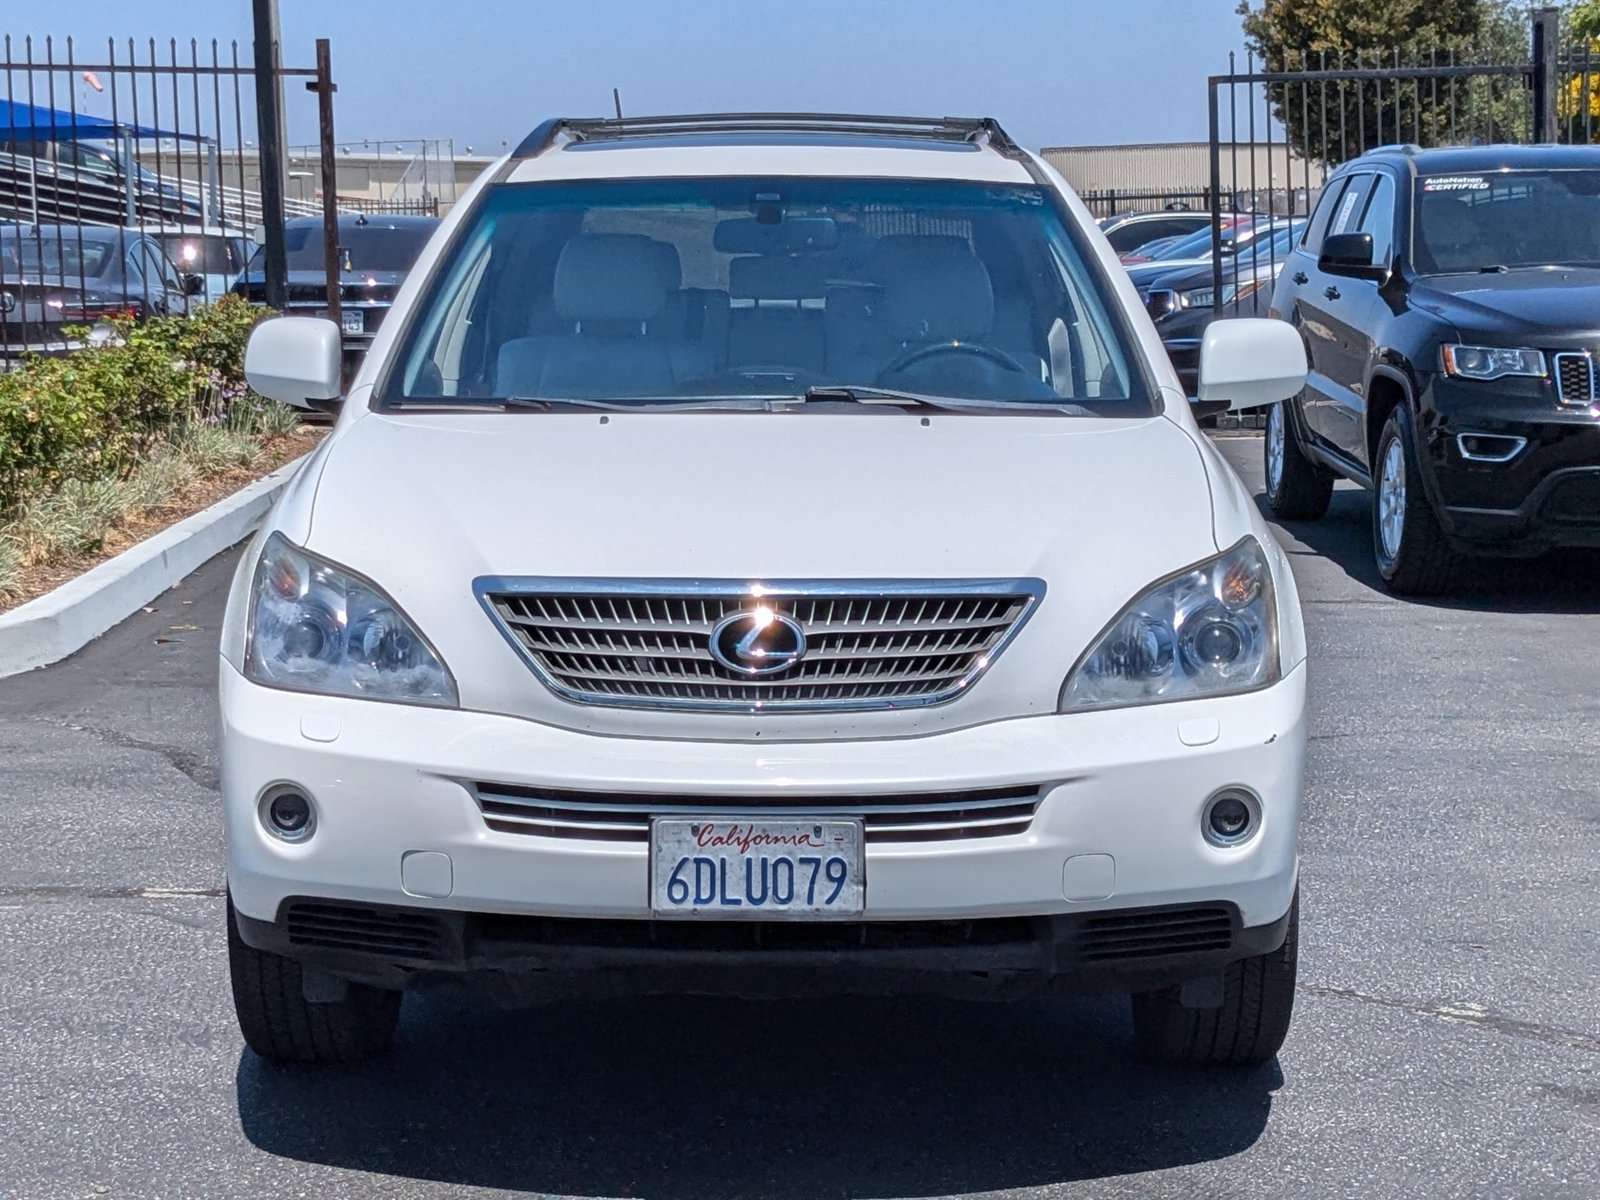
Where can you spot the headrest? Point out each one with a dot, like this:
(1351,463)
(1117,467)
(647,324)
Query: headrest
(670,264)
(795,235)
(1447,222)
(934,288)
(609,277)
(780,278)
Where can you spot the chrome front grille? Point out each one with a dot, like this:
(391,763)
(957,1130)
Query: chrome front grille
(861,644)
(626,816)
(1575,377)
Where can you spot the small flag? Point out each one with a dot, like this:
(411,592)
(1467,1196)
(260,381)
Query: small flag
(93,81)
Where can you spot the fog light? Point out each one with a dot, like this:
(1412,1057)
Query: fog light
(287,813)
(1230,817)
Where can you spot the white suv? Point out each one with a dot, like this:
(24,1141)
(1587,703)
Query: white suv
(765,554)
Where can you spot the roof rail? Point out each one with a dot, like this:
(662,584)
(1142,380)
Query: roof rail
(939,129)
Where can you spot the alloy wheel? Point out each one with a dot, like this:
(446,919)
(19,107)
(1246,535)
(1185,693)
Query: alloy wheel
(1392,500)
(1275,447)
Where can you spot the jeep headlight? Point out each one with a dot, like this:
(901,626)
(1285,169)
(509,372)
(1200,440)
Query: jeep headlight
(1491,362)
(1209,630)
(316,627)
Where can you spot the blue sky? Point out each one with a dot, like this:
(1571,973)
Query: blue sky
(1056,72)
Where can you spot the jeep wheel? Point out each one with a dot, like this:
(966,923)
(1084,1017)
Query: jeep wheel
(281,1025)
(1297,489)
(1247,1028)
(1407,541)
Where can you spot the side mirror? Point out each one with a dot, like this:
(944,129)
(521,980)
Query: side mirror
(193,285)
(1246,362)
(295,360)
(1350,254)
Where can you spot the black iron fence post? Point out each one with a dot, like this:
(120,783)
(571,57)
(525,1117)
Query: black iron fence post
(269,129)
(1546,72)
(324,87)
(1216,189)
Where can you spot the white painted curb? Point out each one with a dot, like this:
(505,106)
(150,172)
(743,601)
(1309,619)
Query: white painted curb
(64,621)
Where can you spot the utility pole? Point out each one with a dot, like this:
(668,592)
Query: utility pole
(1546,72)
(269,127)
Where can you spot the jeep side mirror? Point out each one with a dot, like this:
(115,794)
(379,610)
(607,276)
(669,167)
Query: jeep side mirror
(1350,254)
(193,285)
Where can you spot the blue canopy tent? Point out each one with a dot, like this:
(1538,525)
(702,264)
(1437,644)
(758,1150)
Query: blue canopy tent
(21,122)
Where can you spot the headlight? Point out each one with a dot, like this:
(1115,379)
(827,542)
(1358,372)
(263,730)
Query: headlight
(315,627)
(1210,630)
(1491,362)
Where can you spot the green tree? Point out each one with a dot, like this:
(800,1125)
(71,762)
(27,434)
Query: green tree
(1329,123)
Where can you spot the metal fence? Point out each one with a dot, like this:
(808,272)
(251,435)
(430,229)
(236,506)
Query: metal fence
(1277,129)
(133,177)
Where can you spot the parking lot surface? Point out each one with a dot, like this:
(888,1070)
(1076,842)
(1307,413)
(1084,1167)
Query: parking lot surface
(1446,1039)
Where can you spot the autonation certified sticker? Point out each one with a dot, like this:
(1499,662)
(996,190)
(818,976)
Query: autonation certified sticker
(1455,183)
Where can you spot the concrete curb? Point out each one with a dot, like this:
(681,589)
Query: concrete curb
(62,622)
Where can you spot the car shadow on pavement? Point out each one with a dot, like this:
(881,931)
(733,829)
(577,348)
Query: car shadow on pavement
(1565,581)
(682,1097)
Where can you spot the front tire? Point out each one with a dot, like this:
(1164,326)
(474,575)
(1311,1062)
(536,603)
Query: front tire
(1408,543)
(1297,488)
(1248,1028)
(281,1025)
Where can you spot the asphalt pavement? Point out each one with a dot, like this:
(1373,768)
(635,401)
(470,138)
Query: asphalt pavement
(1446,1039)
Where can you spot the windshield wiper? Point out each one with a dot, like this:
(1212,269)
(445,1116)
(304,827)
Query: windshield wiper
(869,394)
(642,404)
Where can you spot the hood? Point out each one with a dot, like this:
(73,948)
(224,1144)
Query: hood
(1543,305)
(1097,509)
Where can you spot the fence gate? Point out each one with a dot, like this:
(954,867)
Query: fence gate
(1277,130)
(133,178)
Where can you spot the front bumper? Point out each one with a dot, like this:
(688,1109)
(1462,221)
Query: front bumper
(1126,787)
(1544,494)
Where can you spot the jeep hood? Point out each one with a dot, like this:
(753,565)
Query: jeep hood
(1549,305)
(424,504)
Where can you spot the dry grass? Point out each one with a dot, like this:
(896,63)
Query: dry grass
(85,520)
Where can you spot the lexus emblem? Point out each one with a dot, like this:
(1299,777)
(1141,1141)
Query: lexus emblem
(758,641)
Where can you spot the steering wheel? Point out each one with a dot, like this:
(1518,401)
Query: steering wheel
(920,354)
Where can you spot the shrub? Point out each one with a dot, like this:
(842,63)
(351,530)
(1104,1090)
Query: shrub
(99,411)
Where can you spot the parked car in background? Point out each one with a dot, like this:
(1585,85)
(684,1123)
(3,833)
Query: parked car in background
(1450,305)
(97,175)
(1129,231)
(1236,230)
(670,609)
(56,276)
(1182,300)
(219,256)
(376,253)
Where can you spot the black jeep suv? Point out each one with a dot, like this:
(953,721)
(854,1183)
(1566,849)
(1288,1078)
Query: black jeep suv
(1450,304)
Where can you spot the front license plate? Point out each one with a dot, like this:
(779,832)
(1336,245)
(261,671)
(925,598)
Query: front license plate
(353,320)
(761,870)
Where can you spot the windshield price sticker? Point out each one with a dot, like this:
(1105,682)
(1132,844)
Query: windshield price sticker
(757,869)
(1455,183)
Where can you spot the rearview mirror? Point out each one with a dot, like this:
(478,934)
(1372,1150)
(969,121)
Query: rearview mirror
(1349,254)
(1246,362)
(295,360)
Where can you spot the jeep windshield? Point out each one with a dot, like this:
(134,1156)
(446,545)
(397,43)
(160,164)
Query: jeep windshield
(1500,220)
(669,292)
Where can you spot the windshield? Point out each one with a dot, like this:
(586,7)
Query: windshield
(1482,221)
(668,290)
(365,247)
(203,255)
(51,254)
